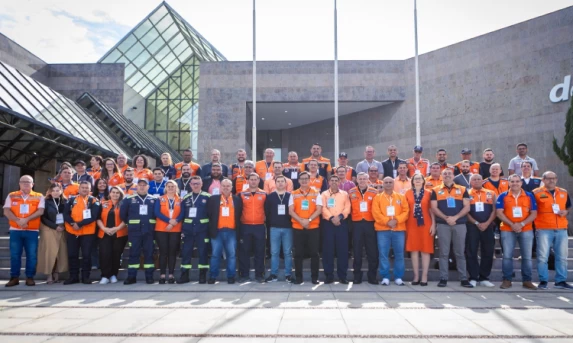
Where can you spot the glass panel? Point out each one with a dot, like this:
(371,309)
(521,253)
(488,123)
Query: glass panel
(129,70)
(173,138)
(170,32)
(164,24)
(150,87)
(156,17)
(134,51)
(151,74)
(112,57)
(141,84)
(150,115)
(135,79)
(143,28)
(168,59)
(162,136)
(141,59)
(176,40)
(153,47)
(127,43)
(162,75)
(149,37)
(9,100)
(162,53)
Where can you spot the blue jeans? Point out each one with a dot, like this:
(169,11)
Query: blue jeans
(281,235)
(23,240)
(226,239)
(508,240)
(395,240)
(559,241)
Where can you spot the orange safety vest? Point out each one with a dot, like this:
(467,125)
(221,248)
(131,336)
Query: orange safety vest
(423,166)
(298,197)
(143,174)
(115,179)
(546,219)
(71,189)
(431,183)
(95,174)
(253,207)
(161,226)
(33,200)
(106,206)
(356,198)
(78,206)
(503,186)
(262,170)
(226,222)
(128,191)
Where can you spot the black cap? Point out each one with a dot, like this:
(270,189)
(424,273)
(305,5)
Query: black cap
(466,151)
(343,154)
(79,162)
(143,180)
(418,148)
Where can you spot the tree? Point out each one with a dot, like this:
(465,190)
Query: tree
(565,151)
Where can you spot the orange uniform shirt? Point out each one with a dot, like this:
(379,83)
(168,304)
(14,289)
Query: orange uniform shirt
(304,205)
(142,174)
(546,218)
(179,166)
(122,169)
(382,208)
(401,186)
(71,189)
(79,205)
(253,207)
(431,182)
(422,166)
(95,173)
(360,212)
(524,203)
(226,222)
(265,171)
(106,206)
(323,163)
(503,186)
(115,179)
(270,185)
(335,204)
(132,189)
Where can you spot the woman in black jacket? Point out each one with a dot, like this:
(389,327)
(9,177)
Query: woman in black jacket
(52,250)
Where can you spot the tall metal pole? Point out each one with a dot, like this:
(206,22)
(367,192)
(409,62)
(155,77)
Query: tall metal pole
(336,142)
(418,134)
(254,142)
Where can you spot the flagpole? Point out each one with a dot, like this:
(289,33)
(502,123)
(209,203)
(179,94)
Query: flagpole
(418,133)
(336,138)
(254,135)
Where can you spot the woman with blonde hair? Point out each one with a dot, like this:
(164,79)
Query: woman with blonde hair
(52,250)
(168,229)
(167,166)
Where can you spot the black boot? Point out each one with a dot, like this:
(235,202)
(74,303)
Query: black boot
(184,278)
(203,276)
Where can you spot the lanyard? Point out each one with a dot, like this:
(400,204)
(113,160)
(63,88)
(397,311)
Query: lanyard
(516,197)
(390,199)
(226,202)
(185,183)
(193,200)
(362,193)
(57,205)
(281,199)
(373,163)
(479,196)
(85,202)
(143,200)
(160,185)
(171,203)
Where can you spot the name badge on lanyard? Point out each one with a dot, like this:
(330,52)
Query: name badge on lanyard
(556,208)
(268,176)
(142,210)
(304,205)
(225,211)
(330,203)
(282,210)
(479,207)
(215,191)
(87,214)
(451,202)
(294,175)
(390,211)
(193,212)
(183,193)
(170,214)
(24,208)
(517,212)
(59,218)
(395,172)
(363,206)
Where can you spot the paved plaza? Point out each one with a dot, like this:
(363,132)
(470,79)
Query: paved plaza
(280,312)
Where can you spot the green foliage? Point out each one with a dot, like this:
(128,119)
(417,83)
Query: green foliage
(565,151)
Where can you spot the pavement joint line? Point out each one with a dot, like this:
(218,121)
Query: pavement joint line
(284,291)
(232,335)
(199,307)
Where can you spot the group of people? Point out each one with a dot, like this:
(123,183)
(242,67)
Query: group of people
(304,209)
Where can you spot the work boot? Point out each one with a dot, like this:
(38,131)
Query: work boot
(184,278)
(203,276)
(505,284)
(529,285)
(14,281)
(30,282)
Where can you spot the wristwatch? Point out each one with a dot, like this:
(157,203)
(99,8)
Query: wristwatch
(476,222)
(522,225)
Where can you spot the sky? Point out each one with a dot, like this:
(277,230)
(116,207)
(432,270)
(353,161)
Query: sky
(82,31)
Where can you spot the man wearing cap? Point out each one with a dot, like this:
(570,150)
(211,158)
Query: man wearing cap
(442,156)
(368,161)
(137,211)
(417,164)
(343,162)
(81,174)
(324,167)
(466,156)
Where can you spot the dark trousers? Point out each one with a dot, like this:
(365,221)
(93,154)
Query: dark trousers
(306,242)
(75,243)
(364,235)
(253,237)
(168,243)
(110,249)
(140,241)
(335,241)
(191,240)
(485,240)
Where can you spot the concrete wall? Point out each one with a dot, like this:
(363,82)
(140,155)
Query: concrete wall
(16,56)
(102,80)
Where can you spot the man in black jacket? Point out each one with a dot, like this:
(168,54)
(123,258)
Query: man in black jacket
(390,165)
(224,211)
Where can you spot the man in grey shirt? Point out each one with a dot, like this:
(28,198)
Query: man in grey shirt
(463,178)
(369,161)
(515,163)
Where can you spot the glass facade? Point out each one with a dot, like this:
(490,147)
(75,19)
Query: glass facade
(162,56)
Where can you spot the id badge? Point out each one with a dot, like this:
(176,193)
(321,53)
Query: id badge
(390,211)
(59,218)
(556,208)
(517,213)
(282,210)
(183,193)
(330,203)
(451,202)
(294,175)
(170,214)
(417,172)
(395,172)
(193,212)
(225,212)
(304,205)
(135,180)
(479,207)
(165,178)
(215,191)
(142,210)
(363,206)
(87,214)
(268,176)
(24,208)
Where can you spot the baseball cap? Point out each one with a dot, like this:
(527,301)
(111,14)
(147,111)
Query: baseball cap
(143,180)
(418,148)
(343,154)
(466,151)
(79,162)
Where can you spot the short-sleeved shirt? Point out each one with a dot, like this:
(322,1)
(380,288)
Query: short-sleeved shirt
(507,202)
(484,196)
(458,193)
(515,164)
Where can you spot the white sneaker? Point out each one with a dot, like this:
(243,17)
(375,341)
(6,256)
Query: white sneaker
(104,281)
(473,283)
(399,282)
(113,279)
(486,283)
(385,282)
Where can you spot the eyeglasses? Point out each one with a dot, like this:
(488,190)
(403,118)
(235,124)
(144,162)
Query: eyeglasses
(373,171)
(551,178)
(25,182)
(196,184)
(304,179)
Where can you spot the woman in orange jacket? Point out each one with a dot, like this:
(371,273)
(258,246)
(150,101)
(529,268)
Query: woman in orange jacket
(110,172)
(168,229)
(112,236)
(141,169)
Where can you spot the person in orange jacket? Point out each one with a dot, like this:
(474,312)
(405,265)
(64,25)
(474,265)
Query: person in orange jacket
(80,215)
(390,211)
(113,236)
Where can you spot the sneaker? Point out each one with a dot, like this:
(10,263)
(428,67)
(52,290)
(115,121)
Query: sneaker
(443,283)
(473,283)
(505,284)
(315,281)
(297,281)
(149,281)
(289,279)
(529,285)
(242,279)
(273,278)
(104,281)
(231,280)
(260,279)
(399,282)
(113,279)
(486,283)
(543,285)
(466,284)
(86,281)
(385,282)
(343,282)
(563,285)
